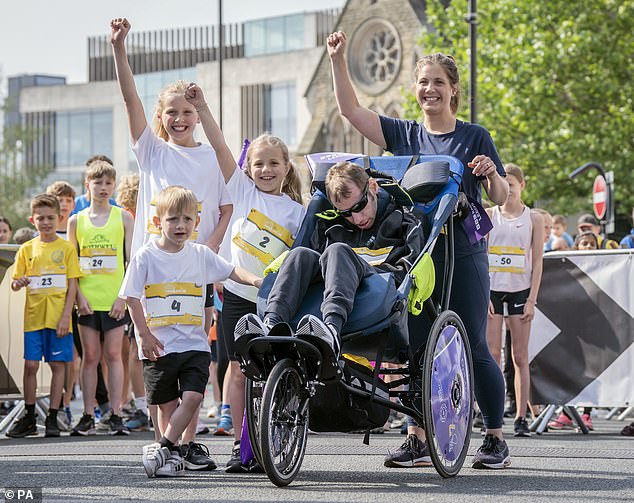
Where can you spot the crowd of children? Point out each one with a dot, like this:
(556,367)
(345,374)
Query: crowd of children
(106,284)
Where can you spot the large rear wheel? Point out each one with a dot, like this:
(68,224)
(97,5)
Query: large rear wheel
(283,423)
(447,393)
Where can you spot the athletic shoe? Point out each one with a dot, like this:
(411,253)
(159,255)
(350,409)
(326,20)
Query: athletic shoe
(25,426)
(97,413)
(412,453)
(201,429)
(103,424)
(587,420)
(493,453)
(316,331)
(129,409)
(563,422)
(196,457)
(64,421)
(224,428)
(138,422)
(174,466)
(628,431)
(116,426)
(213,411)
(478,421)
(51,428)
(234,465)
(85,426)
(250,324)
(520,427)
(154,457)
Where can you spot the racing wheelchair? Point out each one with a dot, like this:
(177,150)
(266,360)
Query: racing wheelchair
(292,388)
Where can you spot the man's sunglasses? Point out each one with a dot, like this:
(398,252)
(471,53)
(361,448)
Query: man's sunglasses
(356,207)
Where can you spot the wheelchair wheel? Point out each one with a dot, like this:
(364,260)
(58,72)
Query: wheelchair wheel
(283,423)
(253,404)
(448,393)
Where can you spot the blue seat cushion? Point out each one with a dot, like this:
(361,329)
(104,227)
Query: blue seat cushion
(373,302)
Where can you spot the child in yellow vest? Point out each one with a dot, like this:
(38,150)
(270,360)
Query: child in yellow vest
(102,233)
(47,266)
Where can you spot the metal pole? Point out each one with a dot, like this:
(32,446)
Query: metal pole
(472,19)
(221,35)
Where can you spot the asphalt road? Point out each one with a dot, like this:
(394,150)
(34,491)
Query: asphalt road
(554,467)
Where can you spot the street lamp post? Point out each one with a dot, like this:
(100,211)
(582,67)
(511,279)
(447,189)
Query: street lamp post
(472,19)
(220,57)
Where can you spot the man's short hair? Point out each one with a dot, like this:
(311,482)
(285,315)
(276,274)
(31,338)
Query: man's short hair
(339,175)
(44,201)
(61,189)
(100,169)
(176,199)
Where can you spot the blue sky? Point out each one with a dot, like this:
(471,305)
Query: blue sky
(42,36)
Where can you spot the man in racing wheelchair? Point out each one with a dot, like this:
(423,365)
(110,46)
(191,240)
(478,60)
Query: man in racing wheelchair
(367,232)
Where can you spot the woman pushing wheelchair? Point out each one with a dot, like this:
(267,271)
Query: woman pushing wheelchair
(438,95)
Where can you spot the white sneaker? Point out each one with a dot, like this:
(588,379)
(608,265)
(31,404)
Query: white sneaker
(154,457)
(213,411)
(173,467)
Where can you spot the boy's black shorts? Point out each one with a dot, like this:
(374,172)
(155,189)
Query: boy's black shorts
(168,377)
(101,321)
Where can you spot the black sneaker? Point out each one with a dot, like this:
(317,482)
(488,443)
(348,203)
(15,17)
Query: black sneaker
(520,427)
(196,457)
(51,427)
(85,426)
(116,426)
(25,426)
(493,453)
(234,465)
(478,421)
(412,453)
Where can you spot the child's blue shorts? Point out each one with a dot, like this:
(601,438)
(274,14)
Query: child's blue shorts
(45,343)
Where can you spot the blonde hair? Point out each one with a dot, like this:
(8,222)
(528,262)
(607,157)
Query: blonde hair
(338,177)
(128,191)
(175,88)
(177,199)
(291,185)
(44,201)
(61,189)
(98,169)
(514,170)
(448,63)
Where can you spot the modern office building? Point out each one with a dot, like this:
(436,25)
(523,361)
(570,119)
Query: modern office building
(275,77)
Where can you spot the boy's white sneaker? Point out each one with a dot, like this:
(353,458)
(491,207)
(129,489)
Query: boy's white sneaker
(154,457)
(173,467)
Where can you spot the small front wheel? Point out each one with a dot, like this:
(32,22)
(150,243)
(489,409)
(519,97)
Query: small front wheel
(447,393)
(283,423)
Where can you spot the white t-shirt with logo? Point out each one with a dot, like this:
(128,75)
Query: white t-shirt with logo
(162,164)
(262,227)
(171,287)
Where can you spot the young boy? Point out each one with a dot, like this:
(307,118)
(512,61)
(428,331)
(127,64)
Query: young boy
(165,287)
(559,235)
(102,234)
(65,195)
(48,267)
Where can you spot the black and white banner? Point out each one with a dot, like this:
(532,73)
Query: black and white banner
(581,347)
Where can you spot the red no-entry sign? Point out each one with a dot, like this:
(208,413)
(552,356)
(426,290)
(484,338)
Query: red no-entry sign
(599,197)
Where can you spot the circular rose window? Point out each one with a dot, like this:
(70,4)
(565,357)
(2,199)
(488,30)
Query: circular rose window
(374,56)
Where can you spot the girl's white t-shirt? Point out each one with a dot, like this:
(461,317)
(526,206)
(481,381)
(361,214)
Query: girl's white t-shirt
(162,164)
(262,227)
(172,295)
(510,251)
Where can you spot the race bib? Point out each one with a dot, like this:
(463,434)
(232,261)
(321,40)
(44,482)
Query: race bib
(507,259)
(154,229)
(174,304)
(373,257)
(262,238)
(98,261)
(48,283)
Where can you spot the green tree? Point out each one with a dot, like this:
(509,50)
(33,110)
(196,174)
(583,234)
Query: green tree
(555,88)
(18,180)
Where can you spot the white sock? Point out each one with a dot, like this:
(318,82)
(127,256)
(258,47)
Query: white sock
(141,403)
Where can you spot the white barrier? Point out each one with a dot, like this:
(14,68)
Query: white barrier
(581,348)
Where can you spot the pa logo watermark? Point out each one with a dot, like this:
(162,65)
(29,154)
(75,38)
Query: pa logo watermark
(22,494)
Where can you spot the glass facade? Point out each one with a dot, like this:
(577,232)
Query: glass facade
(273,35)
(281,115)
(80,134)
